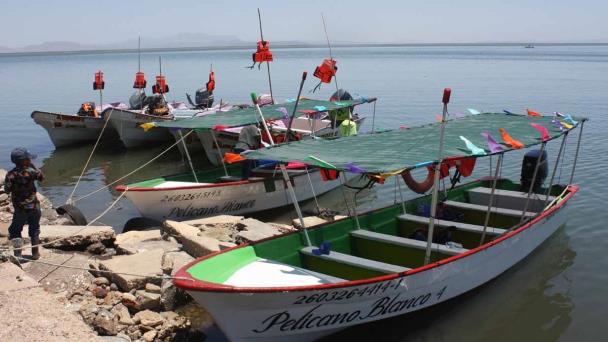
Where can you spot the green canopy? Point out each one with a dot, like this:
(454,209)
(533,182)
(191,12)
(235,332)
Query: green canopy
(248,116)
(392,151)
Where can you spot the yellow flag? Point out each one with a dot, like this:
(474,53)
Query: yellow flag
(147,126)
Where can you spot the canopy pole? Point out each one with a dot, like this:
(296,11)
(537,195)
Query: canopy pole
(219,152)
(374,118)
(401,195)
(354,204)
(296,205)
(578,145)
(295,107)
(429,239)
(538,159)
(267,63)
(312,188)
(254,98)
(559,154)
(491,202)
(187,155)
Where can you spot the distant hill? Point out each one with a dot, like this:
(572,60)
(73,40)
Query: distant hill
(181,40)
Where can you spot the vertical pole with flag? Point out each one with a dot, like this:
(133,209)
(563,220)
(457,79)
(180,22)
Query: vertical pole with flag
(429,239)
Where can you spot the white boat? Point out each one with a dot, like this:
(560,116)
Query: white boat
(308,284)
(225,126)
(71,129)
(181,197)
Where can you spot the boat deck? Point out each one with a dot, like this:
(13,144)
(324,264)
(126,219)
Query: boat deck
(388,240)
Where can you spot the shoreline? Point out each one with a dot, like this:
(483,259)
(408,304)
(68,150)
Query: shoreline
(277,47)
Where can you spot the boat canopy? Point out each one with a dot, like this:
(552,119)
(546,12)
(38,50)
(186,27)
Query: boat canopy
(391,152)
(248,116)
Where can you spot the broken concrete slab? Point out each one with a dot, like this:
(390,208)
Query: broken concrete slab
(138,241)
(251,230)
(14,278)
(172,261)
(219,219)
(75,237)
(191,238)
(147,266)
(309,221)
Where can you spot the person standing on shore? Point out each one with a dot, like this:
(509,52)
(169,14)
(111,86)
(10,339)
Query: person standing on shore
(20,182)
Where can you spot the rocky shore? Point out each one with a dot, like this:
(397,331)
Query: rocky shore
(119,285)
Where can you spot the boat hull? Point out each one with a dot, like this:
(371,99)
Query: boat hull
(235,198)
(128,123)
(307,313)
(70,130)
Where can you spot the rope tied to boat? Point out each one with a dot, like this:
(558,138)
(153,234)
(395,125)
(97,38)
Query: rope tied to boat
(74,233)
(105,124)
(137,169)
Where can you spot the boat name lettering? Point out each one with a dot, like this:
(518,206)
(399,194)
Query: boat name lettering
(191,196)
(339,295)
(230,206)
(387,305)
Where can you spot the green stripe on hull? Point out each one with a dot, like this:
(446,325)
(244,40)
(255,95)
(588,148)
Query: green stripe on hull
(221,267)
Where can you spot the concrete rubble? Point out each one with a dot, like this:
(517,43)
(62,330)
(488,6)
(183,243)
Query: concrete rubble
(120,285)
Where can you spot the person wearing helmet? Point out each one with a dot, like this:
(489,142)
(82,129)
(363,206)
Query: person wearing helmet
(338,115)
(20,182)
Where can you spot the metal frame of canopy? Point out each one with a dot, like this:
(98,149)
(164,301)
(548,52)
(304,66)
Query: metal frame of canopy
(561,127)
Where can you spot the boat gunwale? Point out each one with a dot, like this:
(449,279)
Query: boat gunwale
(168,117)
(123,188)
(185,281)
(71,116)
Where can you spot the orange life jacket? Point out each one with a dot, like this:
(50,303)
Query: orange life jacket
(211,83)
(161,86)
(263,53)
(140,80)
(98,83)
(326,70)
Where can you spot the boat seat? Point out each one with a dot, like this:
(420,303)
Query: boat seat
(459,225)
(355,261)
(508,199)
(484,208)
(405,242)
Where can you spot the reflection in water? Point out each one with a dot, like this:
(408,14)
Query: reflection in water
(529,297)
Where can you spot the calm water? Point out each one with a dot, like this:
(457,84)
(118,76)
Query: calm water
(556,294)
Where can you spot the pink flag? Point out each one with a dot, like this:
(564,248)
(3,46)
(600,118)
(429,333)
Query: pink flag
(544,134)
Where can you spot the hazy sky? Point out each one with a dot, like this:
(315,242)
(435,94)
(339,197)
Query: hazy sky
(98,22)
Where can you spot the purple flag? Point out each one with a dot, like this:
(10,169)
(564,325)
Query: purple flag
(352,168)
(492,144)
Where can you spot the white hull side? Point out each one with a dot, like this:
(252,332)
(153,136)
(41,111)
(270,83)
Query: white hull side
(276,316)
(127,124)
(66,130)
(192,141)
(239,199)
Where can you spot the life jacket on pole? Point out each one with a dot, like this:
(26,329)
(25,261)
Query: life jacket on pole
(325,72)
(140,80)
(99,84)
(262,54)
(210,85)
(161,86)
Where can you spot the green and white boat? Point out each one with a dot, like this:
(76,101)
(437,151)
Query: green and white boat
(371,266)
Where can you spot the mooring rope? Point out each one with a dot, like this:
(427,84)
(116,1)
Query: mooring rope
(84,169)
(74,233)
(137,169)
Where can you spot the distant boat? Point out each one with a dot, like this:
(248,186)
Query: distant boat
(529,46)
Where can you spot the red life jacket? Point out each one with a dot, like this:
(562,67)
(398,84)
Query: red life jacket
(263,53)
(326,70)
(140,80)
(328,174)
(161,86)
(211,83)
(98,83)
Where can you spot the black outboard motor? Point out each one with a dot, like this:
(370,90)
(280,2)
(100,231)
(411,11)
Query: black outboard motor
(527,170)
(137,100)
(341,95)
(203,99)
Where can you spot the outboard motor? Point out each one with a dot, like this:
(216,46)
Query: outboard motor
(203,98)
(341,95)
(137,100)
(527,170)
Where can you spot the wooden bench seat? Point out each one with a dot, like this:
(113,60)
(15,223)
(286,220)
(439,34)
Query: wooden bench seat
(508,199)
(405,242)
(484,208)
(351,260)
(459,225)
